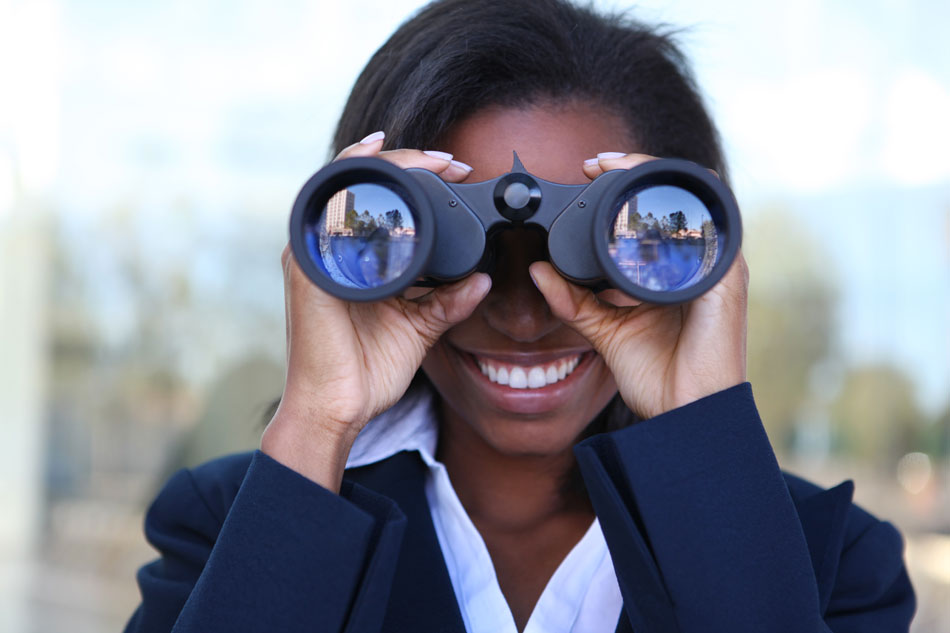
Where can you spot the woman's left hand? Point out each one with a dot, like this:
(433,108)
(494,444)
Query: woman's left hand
(662,357)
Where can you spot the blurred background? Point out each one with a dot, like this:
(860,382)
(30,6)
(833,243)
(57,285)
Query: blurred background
(149,155)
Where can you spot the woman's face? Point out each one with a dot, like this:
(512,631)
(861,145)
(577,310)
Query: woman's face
(512,333)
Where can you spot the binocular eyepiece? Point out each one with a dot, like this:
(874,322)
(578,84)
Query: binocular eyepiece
(663,232)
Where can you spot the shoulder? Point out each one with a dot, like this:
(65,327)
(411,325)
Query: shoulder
(204,495)
(219,480)
(858,558)
(813,501)
(198,498)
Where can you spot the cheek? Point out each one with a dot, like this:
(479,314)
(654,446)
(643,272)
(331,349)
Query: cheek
(444,374)
(602,392)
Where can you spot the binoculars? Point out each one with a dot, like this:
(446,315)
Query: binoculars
(663,232)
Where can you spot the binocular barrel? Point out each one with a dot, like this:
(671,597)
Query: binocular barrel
(663,232)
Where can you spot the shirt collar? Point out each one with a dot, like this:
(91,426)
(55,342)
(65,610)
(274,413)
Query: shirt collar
(410,425)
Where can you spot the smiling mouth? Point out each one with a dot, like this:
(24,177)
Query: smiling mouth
(527,377)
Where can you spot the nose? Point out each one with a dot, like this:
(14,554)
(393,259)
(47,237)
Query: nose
(514,306)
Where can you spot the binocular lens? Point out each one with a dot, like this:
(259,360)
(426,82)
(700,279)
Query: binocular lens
(663,238)
(364,237)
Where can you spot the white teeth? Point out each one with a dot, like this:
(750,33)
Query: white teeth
(503,376)
(518,379)
(528,377)
(536,378)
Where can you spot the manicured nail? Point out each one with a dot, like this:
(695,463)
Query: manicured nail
(482,284)
(372,138)
(435,154)
(604,155)
(461,165)
(591,161)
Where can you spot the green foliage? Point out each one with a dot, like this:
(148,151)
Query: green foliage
(677,221)
(394,219)
(875,414)
(791,318)
(364,223)
(934,438)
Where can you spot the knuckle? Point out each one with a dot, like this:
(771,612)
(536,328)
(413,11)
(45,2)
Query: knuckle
(344,153)
(404,158)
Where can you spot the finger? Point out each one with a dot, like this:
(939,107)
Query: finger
(618,160)
(457,171)
(592,168)
(437,162)
(739,271)
(440,163)
(445,306)
(432,160)
(302,296)
(285,258)
(734,285)
(369,146)
(617,298)
(574,305)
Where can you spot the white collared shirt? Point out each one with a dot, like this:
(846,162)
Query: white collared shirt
(581,597)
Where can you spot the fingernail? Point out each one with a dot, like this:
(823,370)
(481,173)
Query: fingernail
(461,165)
(604,155)
(531,274)
(435,154)
(483,284)
(591,161)
(372,138)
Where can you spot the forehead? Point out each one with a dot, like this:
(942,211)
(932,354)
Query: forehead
(552,139)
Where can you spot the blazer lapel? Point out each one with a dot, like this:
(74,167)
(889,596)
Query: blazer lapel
(422,597)
(646,603)
(823,516)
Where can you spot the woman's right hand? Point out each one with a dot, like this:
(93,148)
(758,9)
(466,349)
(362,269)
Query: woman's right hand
(348,362)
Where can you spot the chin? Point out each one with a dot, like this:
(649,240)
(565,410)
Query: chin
(529,437)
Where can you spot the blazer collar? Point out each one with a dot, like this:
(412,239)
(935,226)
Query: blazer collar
(824,518)
(422,597)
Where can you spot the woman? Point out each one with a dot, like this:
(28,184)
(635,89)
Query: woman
(383,499)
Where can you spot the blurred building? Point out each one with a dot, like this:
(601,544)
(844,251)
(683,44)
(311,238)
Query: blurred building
(24,259)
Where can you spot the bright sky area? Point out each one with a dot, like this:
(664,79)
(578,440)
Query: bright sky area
(836,111)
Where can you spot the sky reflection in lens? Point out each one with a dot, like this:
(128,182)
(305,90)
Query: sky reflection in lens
(663,238)
(365,236)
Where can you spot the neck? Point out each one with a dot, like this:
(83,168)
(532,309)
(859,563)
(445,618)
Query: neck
(510,493)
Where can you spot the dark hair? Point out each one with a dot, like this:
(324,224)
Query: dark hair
(458,56)
(455,57)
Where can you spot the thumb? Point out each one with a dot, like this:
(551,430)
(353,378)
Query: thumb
(447,305)
(576,306)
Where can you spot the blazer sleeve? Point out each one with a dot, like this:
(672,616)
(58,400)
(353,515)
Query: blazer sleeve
(705,535)
(279,553)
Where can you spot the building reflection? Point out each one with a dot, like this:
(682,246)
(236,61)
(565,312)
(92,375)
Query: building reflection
(337,206)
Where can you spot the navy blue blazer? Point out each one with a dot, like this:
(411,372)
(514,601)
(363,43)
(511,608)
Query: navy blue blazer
(705,532)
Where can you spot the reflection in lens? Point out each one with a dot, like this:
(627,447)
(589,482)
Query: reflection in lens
(663,238)
(365,236)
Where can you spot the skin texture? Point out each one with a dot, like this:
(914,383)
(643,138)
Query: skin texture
(507,451)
